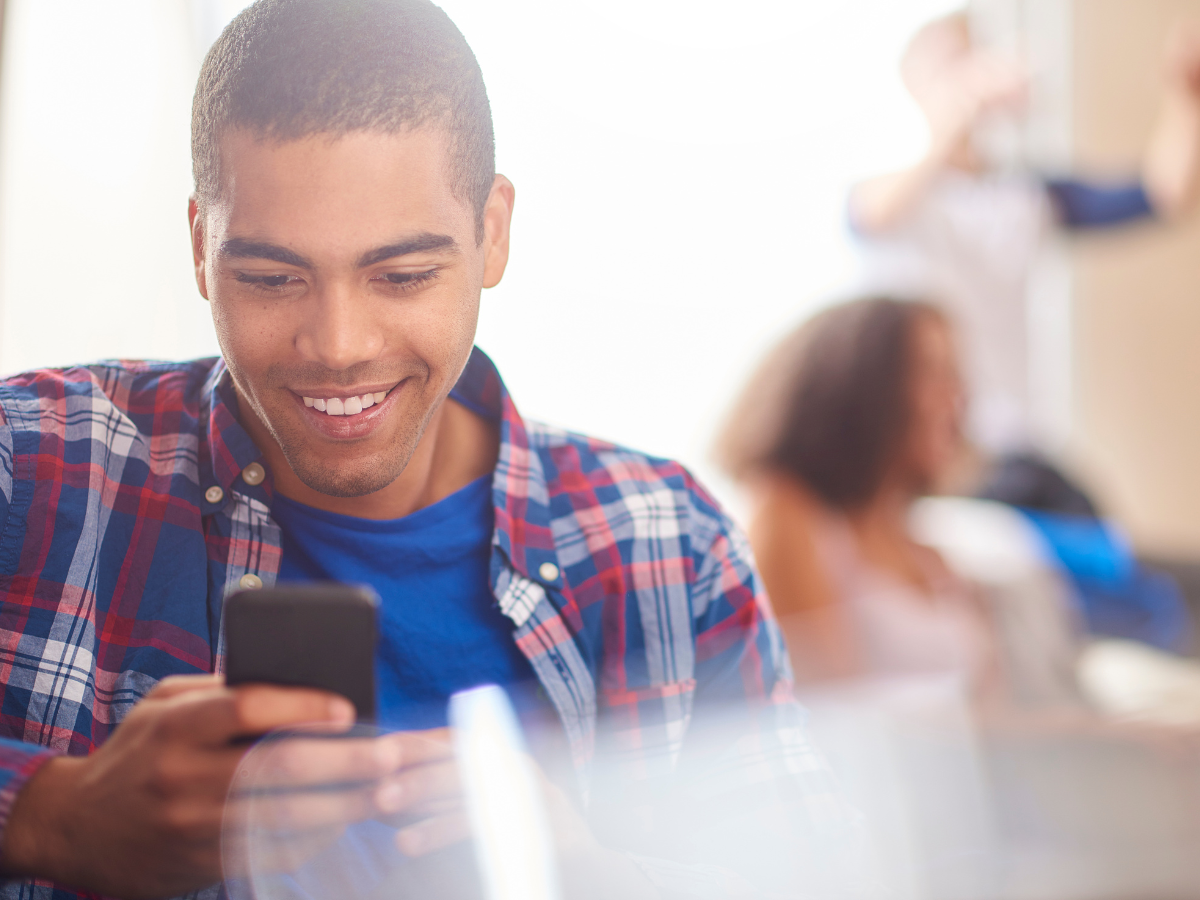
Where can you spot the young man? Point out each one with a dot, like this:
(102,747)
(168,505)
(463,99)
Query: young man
(345,219)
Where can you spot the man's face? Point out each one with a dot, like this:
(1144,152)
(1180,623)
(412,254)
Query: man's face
(344,277)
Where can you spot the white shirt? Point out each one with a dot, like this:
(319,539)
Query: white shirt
(970,246)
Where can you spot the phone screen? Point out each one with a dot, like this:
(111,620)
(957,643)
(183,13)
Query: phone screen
(319,635)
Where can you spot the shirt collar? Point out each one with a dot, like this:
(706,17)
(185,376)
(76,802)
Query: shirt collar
(519,492)
(226,447)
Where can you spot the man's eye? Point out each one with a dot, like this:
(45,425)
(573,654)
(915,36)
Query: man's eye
(410,279)
(264,281)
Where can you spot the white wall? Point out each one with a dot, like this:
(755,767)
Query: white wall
(680,168)
(94,257)
(1136,432)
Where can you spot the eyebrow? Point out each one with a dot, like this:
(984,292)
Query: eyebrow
(239,248)
(421,243)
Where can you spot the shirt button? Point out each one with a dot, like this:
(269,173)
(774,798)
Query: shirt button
(253,474)
(214,494)
(548,571)
(250,582)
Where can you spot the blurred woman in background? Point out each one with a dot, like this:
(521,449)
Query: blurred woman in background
(855,416)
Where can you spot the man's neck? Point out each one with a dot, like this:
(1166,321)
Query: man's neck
(458,446)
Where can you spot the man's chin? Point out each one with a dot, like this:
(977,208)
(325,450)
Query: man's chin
(351,468)
(357,480)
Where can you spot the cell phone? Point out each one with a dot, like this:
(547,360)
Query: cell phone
(319,635)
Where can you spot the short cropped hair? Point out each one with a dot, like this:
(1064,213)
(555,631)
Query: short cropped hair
(290,69)
(831,406)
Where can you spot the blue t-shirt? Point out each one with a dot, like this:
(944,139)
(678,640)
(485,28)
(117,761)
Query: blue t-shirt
(440,629)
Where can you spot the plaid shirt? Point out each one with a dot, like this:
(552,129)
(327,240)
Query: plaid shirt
(125,521)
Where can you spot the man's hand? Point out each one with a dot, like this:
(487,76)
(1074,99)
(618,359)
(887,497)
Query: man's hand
(429,809)
(287,824)
(142,816)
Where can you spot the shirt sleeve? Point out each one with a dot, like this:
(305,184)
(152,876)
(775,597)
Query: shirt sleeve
(751,801)
(18,760)
(1083,205)
(18,763)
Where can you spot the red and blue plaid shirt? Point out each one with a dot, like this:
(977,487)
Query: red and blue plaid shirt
(125,521)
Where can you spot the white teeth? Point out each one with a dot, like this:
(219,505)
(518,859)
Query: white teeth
(339,406)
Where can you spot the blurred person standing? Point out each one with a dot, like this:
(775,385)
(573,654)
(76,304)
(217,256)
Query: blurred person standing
(956,228)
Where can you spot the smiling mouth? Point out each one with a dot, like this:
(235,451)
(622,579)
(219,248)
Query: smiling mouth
(345,406)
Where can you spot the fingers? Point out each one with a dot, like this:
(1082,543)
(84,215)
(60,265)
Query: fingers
(408,779)
(421,790)
(290,786)
(420,747)
(304,811)
(422,761)
(214,715)
(266,852)
(264,708)
(376,777)
(306,762)
(432,834)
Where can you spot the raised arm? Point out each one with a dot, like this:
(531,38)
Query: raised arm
(879,204)
(1171,168)
(953,106)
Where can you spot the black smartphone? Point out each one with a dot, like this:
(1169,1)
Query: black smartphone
(319,635)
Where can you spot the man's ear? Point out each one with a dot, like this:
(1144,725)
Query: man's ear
(497,220)
(196,224)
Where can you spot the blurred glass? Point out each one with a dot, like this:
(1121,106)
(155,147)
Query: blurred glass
(290,833)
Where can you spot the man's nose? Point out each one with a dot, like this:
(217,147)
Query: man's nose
(340,329)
